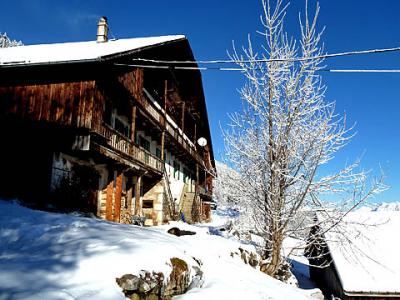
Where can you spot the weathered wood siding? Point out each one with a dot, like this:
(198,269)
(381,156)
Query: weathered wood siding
(68,103)
(133,82)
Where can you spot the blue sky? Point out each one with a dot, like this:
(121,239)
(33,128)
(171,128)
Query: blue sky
(371,100)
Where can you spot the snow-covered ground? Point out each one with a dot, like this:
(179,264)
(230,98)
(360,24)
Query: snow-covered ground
(56,256)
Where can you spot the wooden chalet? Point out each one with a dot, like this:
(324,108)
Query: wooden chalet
(85,126)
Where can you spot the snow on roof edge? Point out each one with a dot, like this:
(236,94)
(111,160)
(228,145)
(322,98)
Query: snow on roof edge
(56,53)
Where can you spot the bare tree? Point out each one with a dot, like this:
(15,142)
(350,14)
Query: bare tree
(285,133)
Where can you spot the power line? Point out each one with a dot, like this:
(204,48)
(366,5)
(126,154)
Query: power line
(241,69)
(178,67)
(348,53)
(361,71)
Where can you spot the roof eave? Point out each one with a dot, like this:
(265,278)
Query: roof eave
(49,63)
(133,51)
(371,294)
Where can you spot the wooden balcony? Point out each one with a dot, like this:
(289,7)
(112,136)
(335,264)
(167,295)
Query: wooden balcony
(147,103)
(122,144)
(171,129)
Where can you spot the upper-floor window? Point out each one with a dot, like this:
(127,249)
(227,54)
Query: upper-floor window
(186,175)
(158,153)
(108,113)
(119,122)
(177,168)
(122,127)
(144,143)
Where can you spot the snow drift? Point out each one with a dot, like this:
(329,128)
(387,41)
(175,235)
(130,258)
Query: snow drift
(56,256)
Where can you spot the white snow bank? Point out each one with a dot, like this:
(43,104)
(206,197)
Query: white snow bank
(55,256)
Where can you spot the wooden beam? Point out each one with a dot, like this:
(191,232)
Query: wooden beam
(197,174)
(109,198)
(133,124)
(165,119)
(129,195)
(162,145)
(138,206)
(195,135)
(117,197)
(183,116)
(165,96)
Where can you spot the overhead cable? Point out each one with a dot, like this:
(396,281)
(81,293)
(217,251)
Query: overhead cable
(241,69)
(266,60)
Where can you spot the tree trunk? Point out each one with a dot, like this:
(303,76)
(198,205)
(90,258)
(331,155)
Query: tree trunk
(275,255)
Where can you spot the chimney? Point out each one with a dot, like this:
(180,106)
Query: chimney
(102,30)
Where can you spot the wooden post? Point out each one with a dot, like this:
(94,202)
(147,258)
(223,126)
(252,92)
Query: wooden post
(129,195)
(162,145)
(109,197)
(165,120)
(133,124)
(197,174)
(117,198)
(201,209)
(138,205)
(195,134)
(165,96)
(183,116)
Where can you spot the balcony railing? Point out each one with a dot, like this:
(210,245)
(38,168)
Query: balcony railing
(175,133)
(202,191)
(119,142)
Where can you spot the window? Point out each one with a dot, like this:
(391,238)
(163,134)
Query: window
(158,153)
(177,168)
(147,204)
(121,127)
(107,116)
(185,175)
(144,143)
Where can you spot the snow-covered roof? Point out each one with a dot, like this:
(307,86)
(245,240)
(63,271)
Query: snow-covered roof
(370,265)
(76,51)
